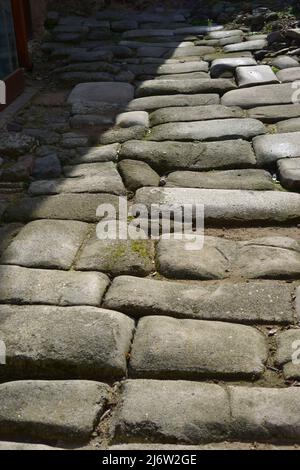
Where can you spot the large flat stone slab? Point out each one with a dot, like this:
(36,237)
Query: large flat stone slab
(190,51)
(284,62)
(104,153)
(86,178)
(170,156)
(263,95)
(287,355)
(217,129)
(46,244)
(223,67)
(255,45)
(199,29)
(289,75)
(168,348)
(108,92)
(290,125)
(228,205)
(225,33)
(229,179)
(231,302)
(261,258)
(41,286)
(167,69)
(193,413)
(64,343)
(82,207)
(184,76)
(116,257)
(265,414)
(137,174)
(194,113)
(255,75)
(272,114)
(151,103)
(184,412)
(51,410)
(289,173)
(270,148)
(121,134)
(162,87)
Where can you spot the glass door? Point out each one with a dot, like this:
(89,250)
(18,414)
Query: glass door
(8,49)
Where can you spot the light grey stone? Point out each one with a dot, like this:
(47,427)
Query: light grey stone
(137,174)
(168,348)
(265,414)
(230,40)
(199,29)
(64,343)
(13,446)
(156,102)
(255,75)
(7,234)
(190,51)
(162,87)
(289,173)
(255,45)
(290,125)
(51,410)
(256,37)
(229,179)
(261,258)
(225,33)
(194,113)
(46,244)
(184,412)
(289,75)
(243,302)
(184,76)
(227,55)
(120,135)
(110,92)
(40,286)
(116,257)
(270,148)
(218,129)
(82,207)
(273,114)
(285,62)
(85,178)
(170,156)
(186,67)
(102,153)
(133,118)
(263,95)
(287,356)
